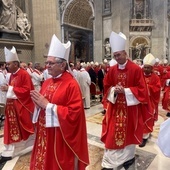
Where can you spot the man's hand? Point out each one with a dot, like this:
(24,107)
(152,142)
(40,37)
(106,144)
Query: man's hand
(4,87)
(119,88)
(39,99)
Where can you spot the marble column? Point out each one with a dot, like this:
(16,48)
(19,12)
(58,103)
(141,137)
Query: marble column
(97,56)
(134,9)
(144,8)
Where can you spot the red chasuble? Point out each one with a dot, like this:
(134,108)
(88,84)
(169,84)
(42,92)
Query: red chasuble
(165,75)
(57,147)
(122,124)
(18,112)
(166,95)
(166,98)
(158,70)
(154,87)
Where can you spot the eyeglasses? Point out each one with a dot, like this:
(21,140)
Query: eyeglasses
(117,55)
(52,63)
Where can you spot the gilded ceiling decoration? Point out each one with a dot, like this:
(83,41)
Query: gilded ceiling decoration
(79,13)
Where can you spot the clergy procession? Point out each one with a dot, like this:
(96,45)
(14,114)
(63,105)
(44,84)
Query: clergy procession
(42,105)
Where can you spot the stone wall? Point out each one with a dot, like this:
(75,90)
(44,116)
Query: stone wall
(159,33)
(45,23)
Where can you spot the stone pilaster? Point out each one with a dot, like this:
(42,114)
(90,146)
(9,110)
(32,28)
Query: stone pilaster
(159,33)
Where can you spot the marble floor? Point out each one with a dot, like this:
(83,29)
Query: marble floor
(147,158)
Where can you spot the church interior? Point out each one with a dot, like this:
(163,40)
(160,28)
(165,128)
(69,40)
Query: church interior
(88,24)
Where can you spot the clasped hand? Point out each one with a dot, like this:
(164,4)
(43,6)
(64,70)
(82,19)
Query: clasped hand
(39,100)
(4,87)
(119,89)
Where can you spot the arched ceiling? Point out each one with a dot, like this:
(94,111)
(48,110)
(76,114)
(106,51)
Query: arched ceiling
(139,40)
(79,13)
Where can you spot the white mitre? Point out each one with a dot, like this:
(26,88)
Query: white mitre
(10,55)
(149,59)
(105,60)
(96,63)
(92,63)
(157,60)
(117,41)
(165,61)
(58,49)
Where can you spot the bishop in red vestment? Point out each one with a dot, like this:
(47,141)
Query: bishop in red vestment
(19,126)
(166,93)
(154,88)
(61,140)
(19,107)
(122,126)
(165,70)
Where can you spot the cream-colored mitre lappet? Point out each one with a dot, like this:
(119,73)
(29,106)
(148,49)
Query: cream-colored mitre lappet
(117,41)
(96,63)
(149,59)
(10,55)
(105,60)
(58,49)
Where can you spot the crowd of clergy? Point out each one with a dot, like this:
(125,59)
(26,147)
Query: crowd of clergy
(156,73)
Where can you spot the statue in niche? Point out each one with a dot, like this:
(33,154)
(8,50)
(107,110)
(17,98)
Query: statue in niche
(140,50)
(8,15)
(62,5)
(107,4)
(12,18)
(23,26)
(107,49)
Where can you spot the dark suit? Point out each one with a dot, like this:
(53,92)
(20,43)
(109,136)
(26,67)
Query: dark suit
(93,75)
(100,79)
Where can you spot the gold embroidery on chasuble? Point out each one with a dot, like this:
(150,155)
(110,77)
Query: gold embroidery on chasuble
(42,140)
(41,147)
(14,130)
(121,113)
